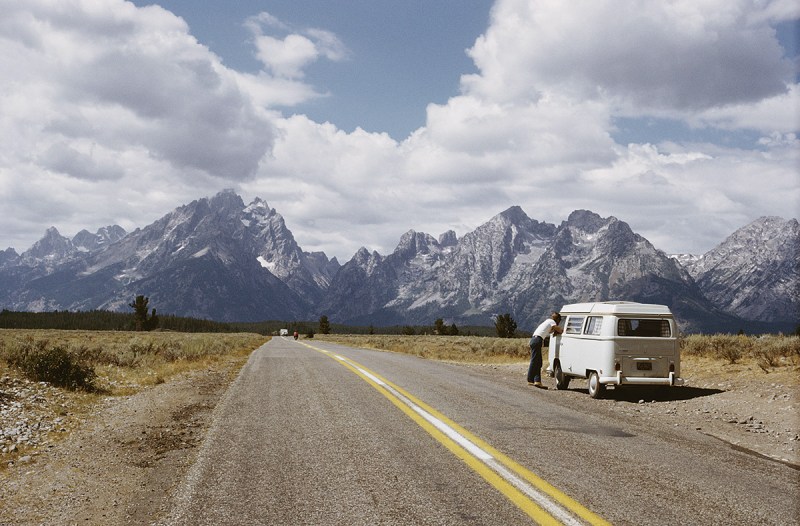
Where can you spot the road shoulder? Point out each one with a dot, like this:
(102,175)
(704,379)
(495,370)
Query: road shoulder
(123,462)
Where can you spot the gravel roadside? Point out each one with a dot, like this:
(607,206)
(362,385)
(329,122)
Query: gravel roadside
(120,462)
(117,465)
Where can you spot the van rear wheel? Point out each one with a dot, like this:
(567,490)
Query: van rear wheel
(596,389)
(562,381)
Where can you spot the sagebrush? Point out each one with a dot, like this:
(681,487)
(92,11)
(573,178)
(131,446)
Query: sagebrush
(91,359)
(42,361)
(767,351)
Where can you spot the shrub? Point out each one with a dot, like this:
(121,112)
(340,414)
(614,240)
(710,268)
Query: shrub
(42,362)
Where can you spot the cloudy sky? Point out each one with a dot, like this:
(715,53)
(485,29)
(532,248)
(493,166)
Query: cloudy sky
(359,120)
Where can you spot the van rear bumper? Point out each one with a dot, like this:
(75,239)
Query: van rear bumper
(641,380)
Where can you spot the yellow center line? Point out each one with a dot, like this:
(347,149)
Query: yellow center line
(539,499)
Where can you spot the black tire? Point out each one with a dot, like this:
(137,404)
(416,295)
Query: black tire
(562,381)
(596,389)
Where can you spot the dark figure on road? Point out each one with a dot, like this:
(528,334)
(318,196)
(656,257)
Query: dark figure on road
(295,335)
(545,329)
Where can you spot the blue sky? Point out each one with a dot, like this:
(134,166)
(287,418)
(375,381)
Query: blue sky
(359,120)
(400,55)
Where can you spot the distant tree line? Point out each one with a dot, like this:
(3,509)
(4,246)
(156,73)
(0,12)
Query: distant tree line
(102,320)
(440,328)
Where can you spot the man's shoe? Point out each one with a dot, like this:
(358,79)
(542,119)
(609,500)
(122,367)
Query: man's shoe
(540,385)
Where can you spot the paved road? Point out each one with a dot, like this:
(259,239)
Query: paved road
(316,433)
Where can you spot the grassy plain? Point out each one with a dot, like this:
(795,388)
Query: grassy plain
(123,362)
(767,352)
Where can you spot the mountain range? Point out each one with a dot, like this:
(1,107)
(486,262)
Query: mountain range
(219,258)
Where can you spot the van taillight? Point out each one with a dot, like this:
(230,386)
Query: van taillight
(672,367)
(617,366)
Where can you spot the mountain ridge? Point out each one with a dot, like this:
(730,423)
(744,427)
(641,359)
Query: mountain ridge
(220,258)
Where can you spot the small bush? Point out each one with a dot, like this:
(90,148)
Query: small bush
(724,347)
(42,362)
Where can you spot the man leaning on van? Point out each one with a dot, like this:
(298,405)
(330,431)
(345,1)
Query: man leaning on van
(545,329)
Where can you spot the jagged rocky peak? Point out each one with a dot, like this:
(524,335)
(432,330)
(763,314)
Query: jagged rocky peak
(267,221)
(413,243)
(85,240)
(8,256)
(112,233)
(53,244)
(588,221)
(514,215)
(227,199)
(609,235)
(519,222)
(765,239)
(754,272)
(448,239)
(366,259)
(258,210)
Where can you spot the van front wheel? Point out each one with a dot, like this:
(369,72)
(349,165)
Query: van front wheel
(562,381)
(596,389)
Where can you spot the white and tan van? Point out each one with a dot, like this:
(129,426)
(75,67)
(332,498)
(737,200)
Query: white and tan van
(616,343)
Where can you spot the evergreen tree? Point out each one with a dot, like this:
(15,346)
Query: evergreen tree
(438,327)
(505,326)
(141,320)
(324,325)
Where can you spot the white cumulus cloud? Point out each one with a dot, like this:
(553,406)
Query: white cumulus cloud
(115,114)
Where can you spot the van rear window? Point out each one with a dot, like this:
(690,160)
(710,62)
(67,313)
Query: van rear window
(647,328)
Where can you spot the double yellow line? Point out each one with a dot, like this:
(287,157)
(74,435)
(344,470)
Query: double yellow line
(540,500)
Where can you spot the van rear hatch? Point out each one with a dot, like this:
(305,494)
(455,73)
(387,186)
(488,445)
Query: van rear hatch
(647,347)
(648,366)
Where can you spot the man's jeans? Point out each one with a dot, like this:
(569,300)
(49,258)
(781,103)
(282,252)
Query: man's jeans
(535,368)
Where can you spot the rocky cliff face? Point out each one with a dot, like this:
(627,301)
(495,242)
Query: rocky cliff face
(755,272)
(208,259)
(218,258)
(518,265)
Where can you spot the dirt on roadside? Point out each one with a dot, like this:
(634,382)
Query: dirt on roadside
(120,463)
(744,406)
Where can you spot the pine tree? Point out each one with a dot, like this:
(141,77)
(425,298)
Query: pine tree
(141,321)
(505,326)
(324,325)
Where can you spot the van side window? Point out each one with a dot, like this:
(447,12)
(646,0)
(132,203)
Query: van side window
(574,324)
(593,325)
(647,328)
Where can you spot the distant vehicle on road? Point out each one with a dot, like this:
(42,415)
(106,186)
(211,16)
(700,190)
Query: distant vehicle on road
(284,332)
(616,343)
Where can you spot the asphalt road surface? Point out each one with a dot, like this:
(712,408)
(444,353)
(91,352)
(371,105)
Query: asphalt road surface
(313,433)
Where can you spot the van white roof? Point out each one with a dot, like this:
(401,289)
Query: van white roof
(616,307)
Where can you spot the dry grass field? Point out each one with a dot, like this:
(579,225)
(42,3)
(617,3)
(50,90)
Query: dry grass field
(52,381)
(117,363)
(767,352)
(470,349)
